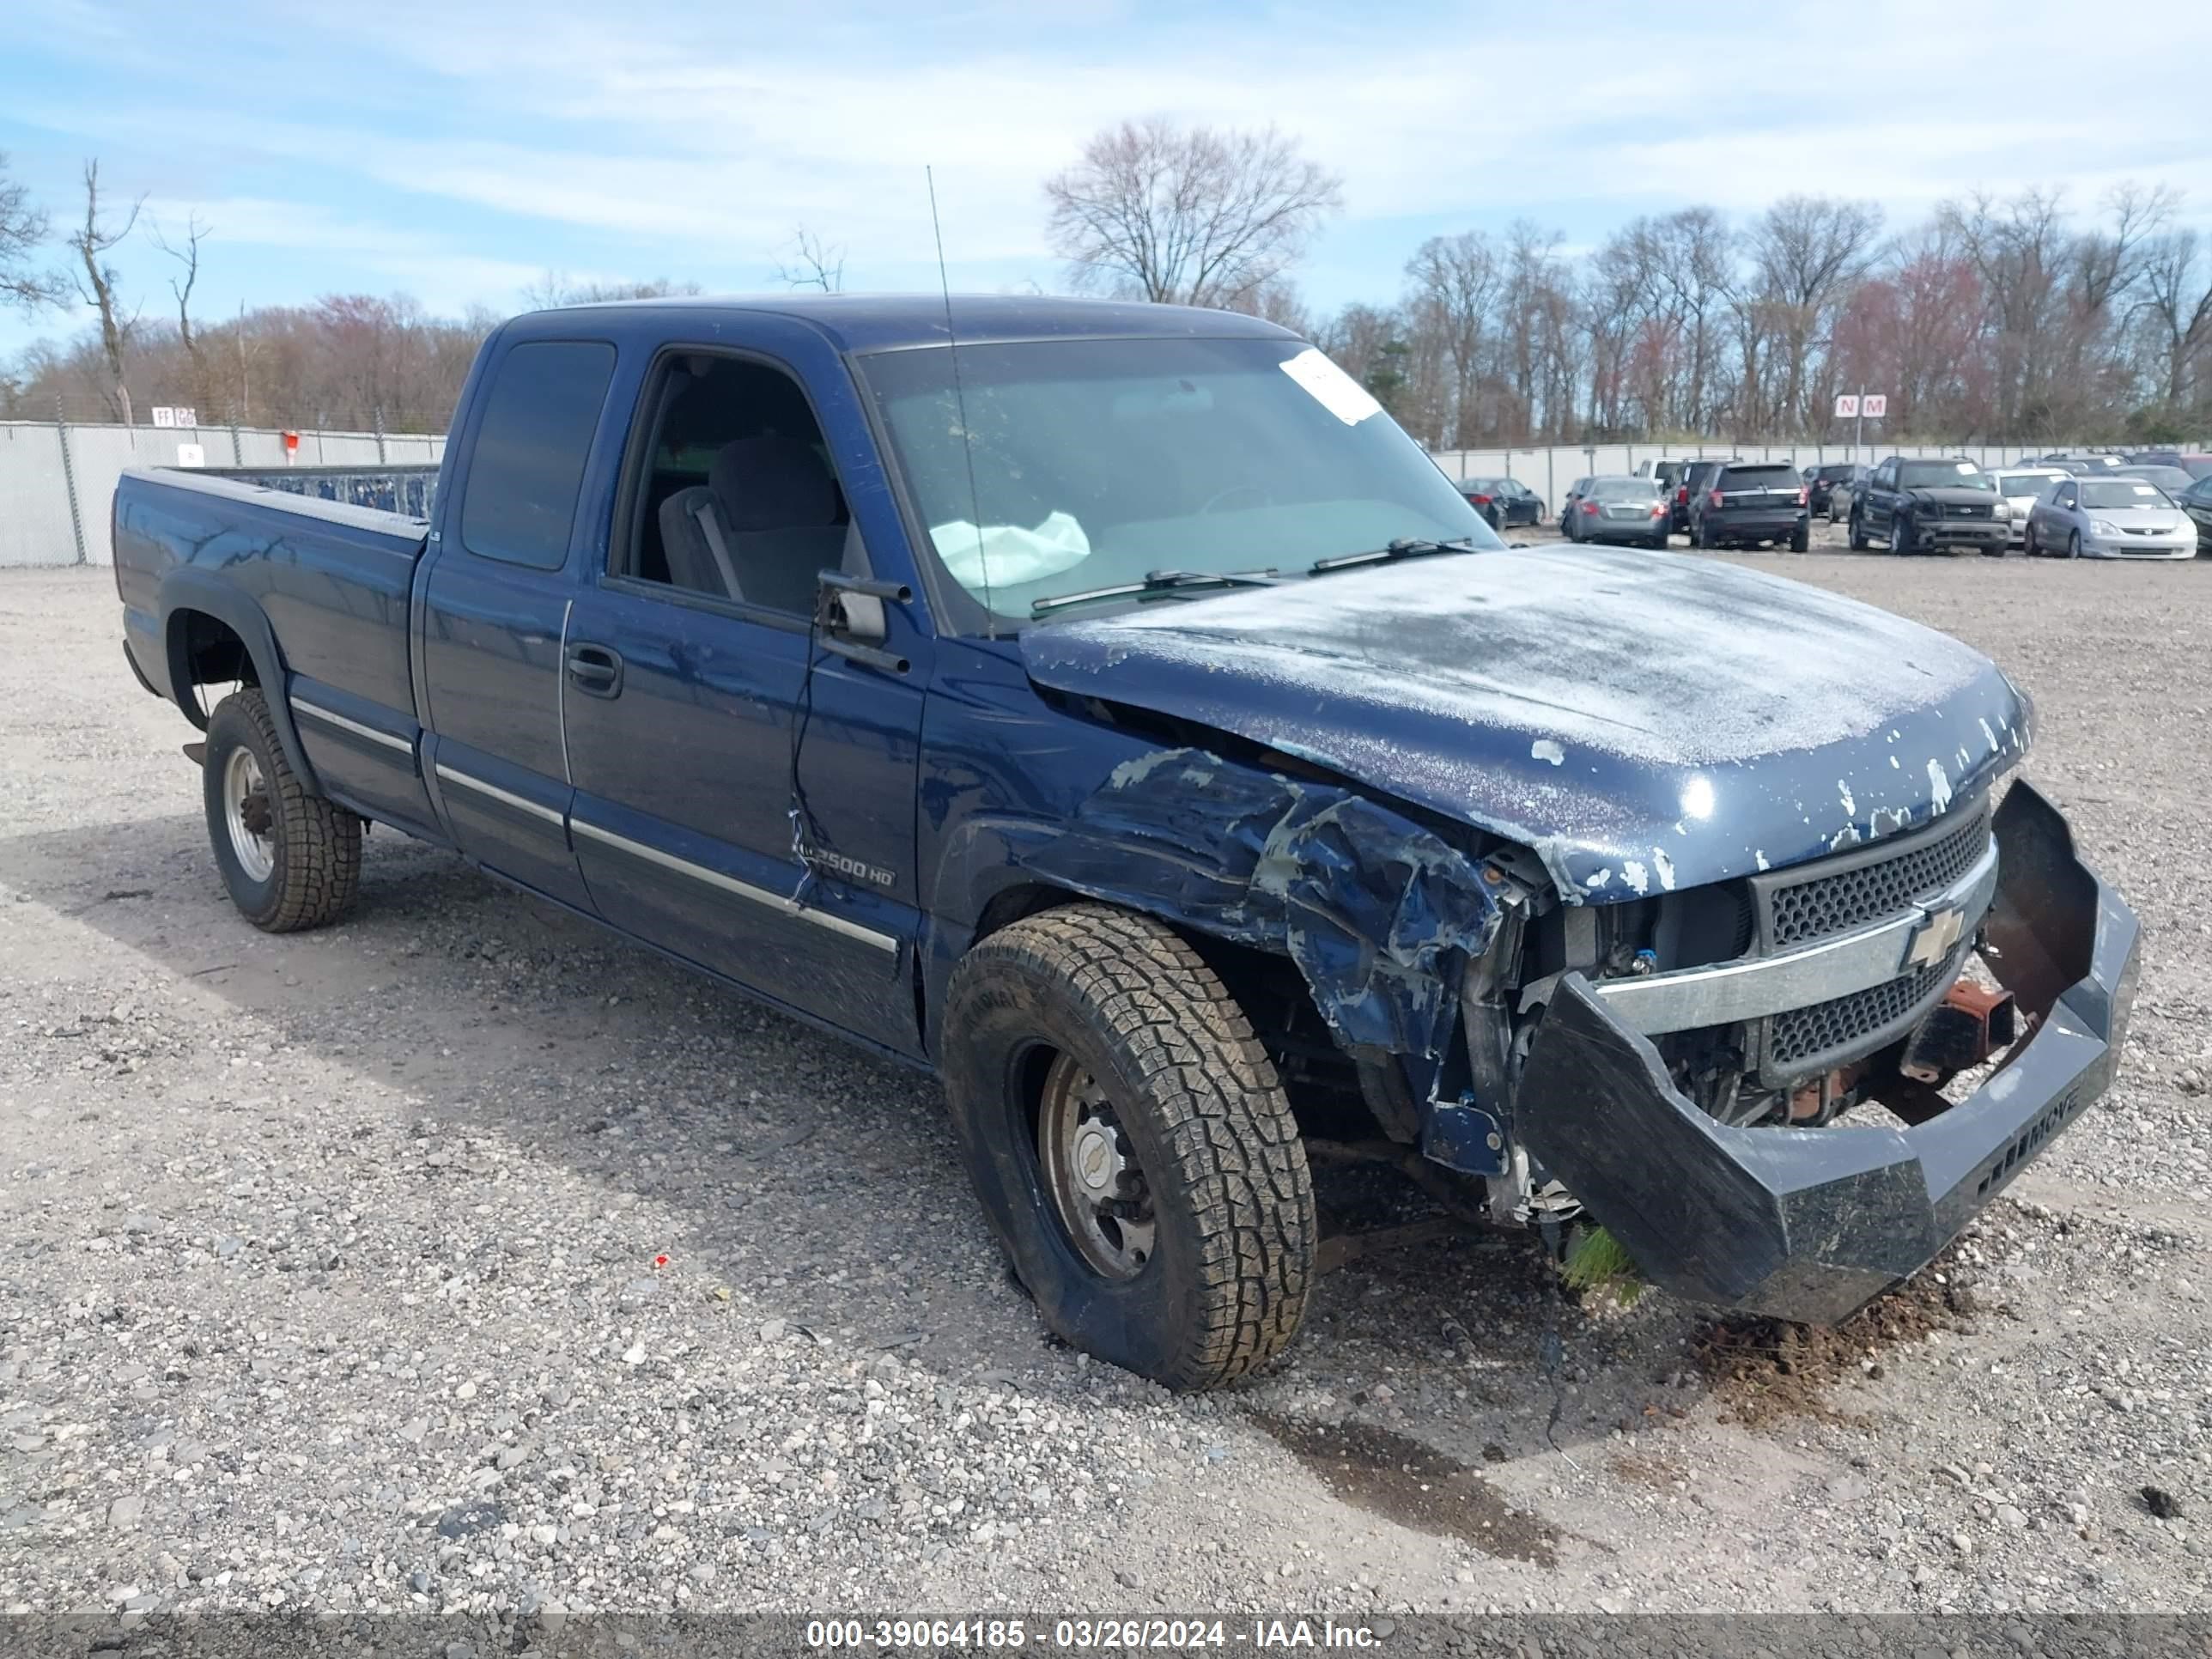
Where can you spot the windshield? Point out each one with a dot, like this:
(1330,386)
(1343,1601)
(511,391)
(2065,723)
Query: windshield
(1624,490)
(1096,463)
(2171,479)
(1942,475)
(2110,492)
(2024,483)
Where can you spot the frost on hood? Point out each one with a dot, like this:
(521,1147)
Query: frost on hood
(1379,914)
(1589,707)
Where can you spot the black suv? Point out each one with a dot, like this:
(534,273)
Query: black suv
(1929,507)
(1692,480)
(1821,480)
(1751,503)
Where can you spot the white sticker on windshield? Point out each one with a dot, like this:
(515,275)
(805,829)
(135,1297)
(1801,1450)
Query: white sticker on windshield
(2146,489)
(1331,388)
(1968,466)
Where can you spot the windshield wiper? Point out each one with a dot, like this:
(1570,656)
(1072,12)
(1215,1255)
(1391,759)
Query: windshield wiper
(1406,547)
(1159,581)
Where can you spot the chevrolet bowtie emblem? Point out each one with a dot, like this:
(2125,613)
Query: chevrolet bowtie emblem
(1933,940)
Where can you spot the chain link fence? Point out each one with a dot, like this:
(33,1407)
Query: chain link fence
(57,477)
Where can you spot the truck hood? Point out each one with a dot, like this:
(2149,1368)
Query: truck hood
(1641,722)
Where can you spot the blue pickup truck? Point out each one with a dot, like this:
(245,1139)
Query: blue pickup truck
(1108,708)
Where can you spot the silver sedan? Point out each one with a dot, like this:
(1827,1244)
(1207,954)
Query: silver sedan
(2094,518)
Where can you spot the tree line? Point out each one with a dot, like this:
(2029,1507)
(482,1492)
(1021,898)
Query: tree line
(2011,319)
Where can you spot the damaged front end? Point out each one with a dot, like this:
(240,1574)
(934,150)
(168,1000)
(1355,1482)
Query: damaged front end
(1686,1110)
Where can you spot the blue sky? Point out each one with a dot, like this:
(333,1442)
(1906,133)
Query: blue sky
(459,150)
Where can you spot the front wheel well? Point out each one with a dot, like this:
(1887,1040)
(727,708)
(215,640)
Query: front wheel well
(1321,1078)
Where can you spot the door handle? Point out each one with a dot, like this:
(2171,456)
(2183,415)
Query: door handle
(595,669)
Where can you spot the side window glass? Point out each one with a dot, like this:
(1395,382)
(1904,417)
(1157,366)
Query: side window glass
(527,466)
(737,499)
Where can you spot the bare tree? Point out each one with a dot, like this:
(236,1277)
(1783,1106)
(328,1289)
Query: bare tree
(22,232)
(95,285)
(1455,283)
(181,285)
(553,290)
(812,264)
(2179,290)
(1807,252)
(1191,216)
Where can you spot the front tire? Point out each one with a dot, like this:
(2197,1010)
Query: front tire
(2027,548)
(289,860)
(2074,545)
(1900,539)
(1131,1145)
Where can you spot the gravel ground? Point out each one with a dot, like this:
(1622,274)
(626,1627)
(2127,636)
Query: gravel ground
(459,1257)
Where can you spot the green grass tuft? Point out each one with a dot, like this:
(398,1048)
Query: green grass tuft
(1597,1261)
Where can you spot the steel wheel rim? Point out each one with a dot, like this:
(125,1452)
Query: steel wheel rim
(248,815)
(1091,1174)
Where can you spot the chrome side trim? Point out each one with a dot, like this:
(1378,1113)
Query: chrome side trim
(1753,988)
(315,711)
(478,787)
(744,890)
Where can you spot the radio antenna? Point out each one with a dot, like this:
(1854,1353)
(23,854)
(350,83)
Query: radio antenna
(960,408)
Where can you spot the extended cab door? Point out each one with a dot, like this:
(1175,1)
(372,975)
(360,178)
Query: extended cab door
(493,605)
(745,798)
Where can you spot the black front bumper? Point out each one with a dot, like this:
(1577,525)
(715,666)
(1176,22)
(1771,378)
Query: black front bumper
(1813,1224)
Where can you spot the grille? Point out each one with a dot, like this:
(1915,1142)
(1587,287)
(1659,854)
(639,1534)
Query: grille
(1833,904)
(1965,510)
(1810,1034)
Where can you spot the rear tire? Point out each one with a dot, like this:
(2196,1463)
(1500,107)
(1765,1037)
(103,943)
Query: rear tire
(1801,538)
(1172,1231)
(289,860)
(1858,536)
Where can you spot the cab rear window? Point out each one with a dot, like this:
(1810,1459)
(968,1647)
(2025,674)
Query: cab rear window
(1759,478)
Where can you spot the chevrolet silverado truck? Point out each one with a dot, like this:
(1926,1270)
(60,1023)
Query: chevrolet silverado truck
(1109,710)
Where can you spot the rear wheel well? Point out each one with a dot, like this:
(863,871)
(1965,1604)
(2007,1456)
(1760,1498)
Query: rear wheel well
(206,650)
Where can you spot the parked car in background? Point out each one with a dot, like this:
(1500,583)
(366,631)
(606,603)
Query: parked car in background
(2110,519)
(1842,492)
(1751,504)
(1615,508)
(1820,482)
(2197,502)
(2019,487)
(2197,466)
(1930,507)
(2079,461)
(2172,479)
(1502,502)
(1697,476)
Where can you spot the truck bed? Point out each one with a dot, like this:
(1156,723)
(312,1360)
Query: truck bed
(300,581)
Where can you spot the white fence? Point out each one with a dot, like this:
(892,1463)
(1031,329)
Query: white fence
(56,480)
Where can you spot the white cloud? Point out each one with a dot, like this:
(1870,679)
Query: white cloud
(697,150)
